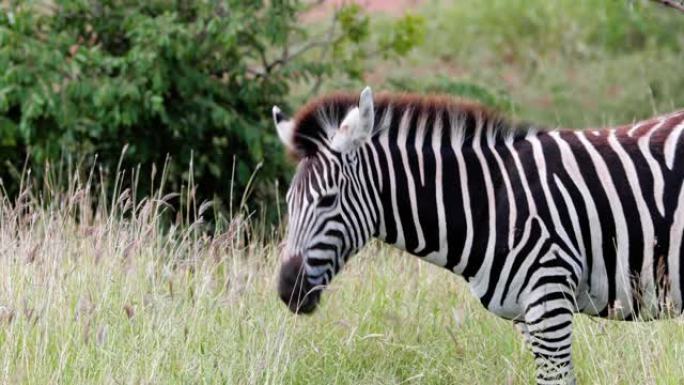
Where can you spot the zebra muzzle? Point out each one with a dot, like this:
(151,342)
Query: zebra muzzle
(294,289)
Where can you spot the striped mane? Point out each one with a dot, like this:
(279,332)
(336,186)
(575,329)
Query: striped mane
(317,120)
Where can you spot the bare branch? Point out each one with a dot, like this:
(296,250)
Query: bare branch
(676,4)
(267,67)
(287,57)
(288,53)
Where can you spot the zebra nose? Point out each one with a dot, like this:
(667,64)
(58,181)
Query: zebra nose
(294,289)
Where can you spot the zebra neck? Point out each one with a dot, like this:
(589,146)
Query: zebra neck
(435,191)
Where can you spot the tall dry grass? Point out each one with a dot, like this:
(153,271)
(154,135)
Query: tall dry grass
(129,291)
(99,290)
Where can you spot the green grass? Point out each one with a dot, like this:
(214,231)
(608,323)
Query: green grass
(93,298)
(570,63)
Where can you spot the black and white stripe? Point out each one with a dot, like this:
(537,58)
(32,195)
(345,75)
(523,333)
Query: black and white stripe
(541,223)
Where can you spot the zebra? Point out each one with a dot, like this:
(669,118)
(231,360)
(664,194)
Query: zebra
(541,223)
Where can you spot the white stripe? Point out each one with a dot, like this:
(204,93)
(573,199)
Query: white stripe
(673,255)
(378,170)
(420,138)
(658,181)
(573,214)
(457,147)
(359,202)
(384,145)
(382,230)
(439,257)
(671,145)
(402,144)
(512,207)
(371,189)
(351,202)
(523,177)
(481,279)
(599,277)
(635,127)
(623,288)
(646,276)
(518,283)
(540,161)
(508,265)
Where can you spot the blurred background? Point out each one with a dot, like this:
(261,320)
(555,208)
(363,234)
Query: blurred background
(178,92)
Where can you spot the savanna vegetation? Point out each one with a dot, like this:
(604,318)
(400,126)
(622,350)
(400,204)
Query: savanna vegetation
(110,274)
(184,85)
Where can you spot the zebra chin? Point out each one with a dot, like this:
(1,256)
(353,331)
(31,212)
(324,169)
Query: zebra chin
(295,290)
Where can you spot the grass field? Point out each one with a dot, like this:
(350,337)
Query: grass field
(106,296)
(90,298)
(569,63)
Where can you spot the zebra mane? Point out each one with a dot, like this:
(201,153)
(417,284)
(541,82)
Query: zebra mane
(318,119)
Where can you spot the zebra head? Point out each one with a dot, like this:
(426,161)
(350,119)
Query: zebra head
(328,219)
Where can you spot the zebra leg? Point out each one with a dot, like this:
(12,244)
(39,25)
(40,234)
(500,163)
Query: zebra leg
(548,332)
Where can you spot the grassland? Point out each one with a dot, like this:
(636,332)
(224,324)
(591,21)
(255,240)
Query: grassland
(105,296)
(569,63)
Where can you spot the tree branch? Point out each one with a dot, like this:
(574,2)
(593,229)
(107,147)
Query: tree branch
(289,53)
(676,4)
(287,57)
(267,67)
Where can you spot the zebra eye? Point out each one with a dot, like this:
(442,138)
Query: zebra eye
(327,200)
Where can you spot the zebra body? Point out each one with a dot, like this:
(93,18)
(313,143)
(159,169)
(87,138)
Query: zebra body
(542,193)
(541,223)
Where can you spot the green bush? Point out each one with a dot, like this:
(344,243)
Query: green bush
(188,79)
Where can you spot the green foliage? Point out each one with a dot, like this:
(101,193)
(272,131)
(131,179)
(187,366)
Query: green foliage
(90,77)
(192,80)
(357,44)
(404,34)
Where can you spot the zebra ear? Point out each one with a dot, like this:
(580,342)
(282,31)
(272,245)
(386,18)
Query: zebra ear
(284,127)
(366,110)
(357,126)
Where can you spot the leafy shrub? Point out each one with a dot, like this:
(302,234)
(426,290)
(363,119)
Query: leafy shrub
(191,80)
